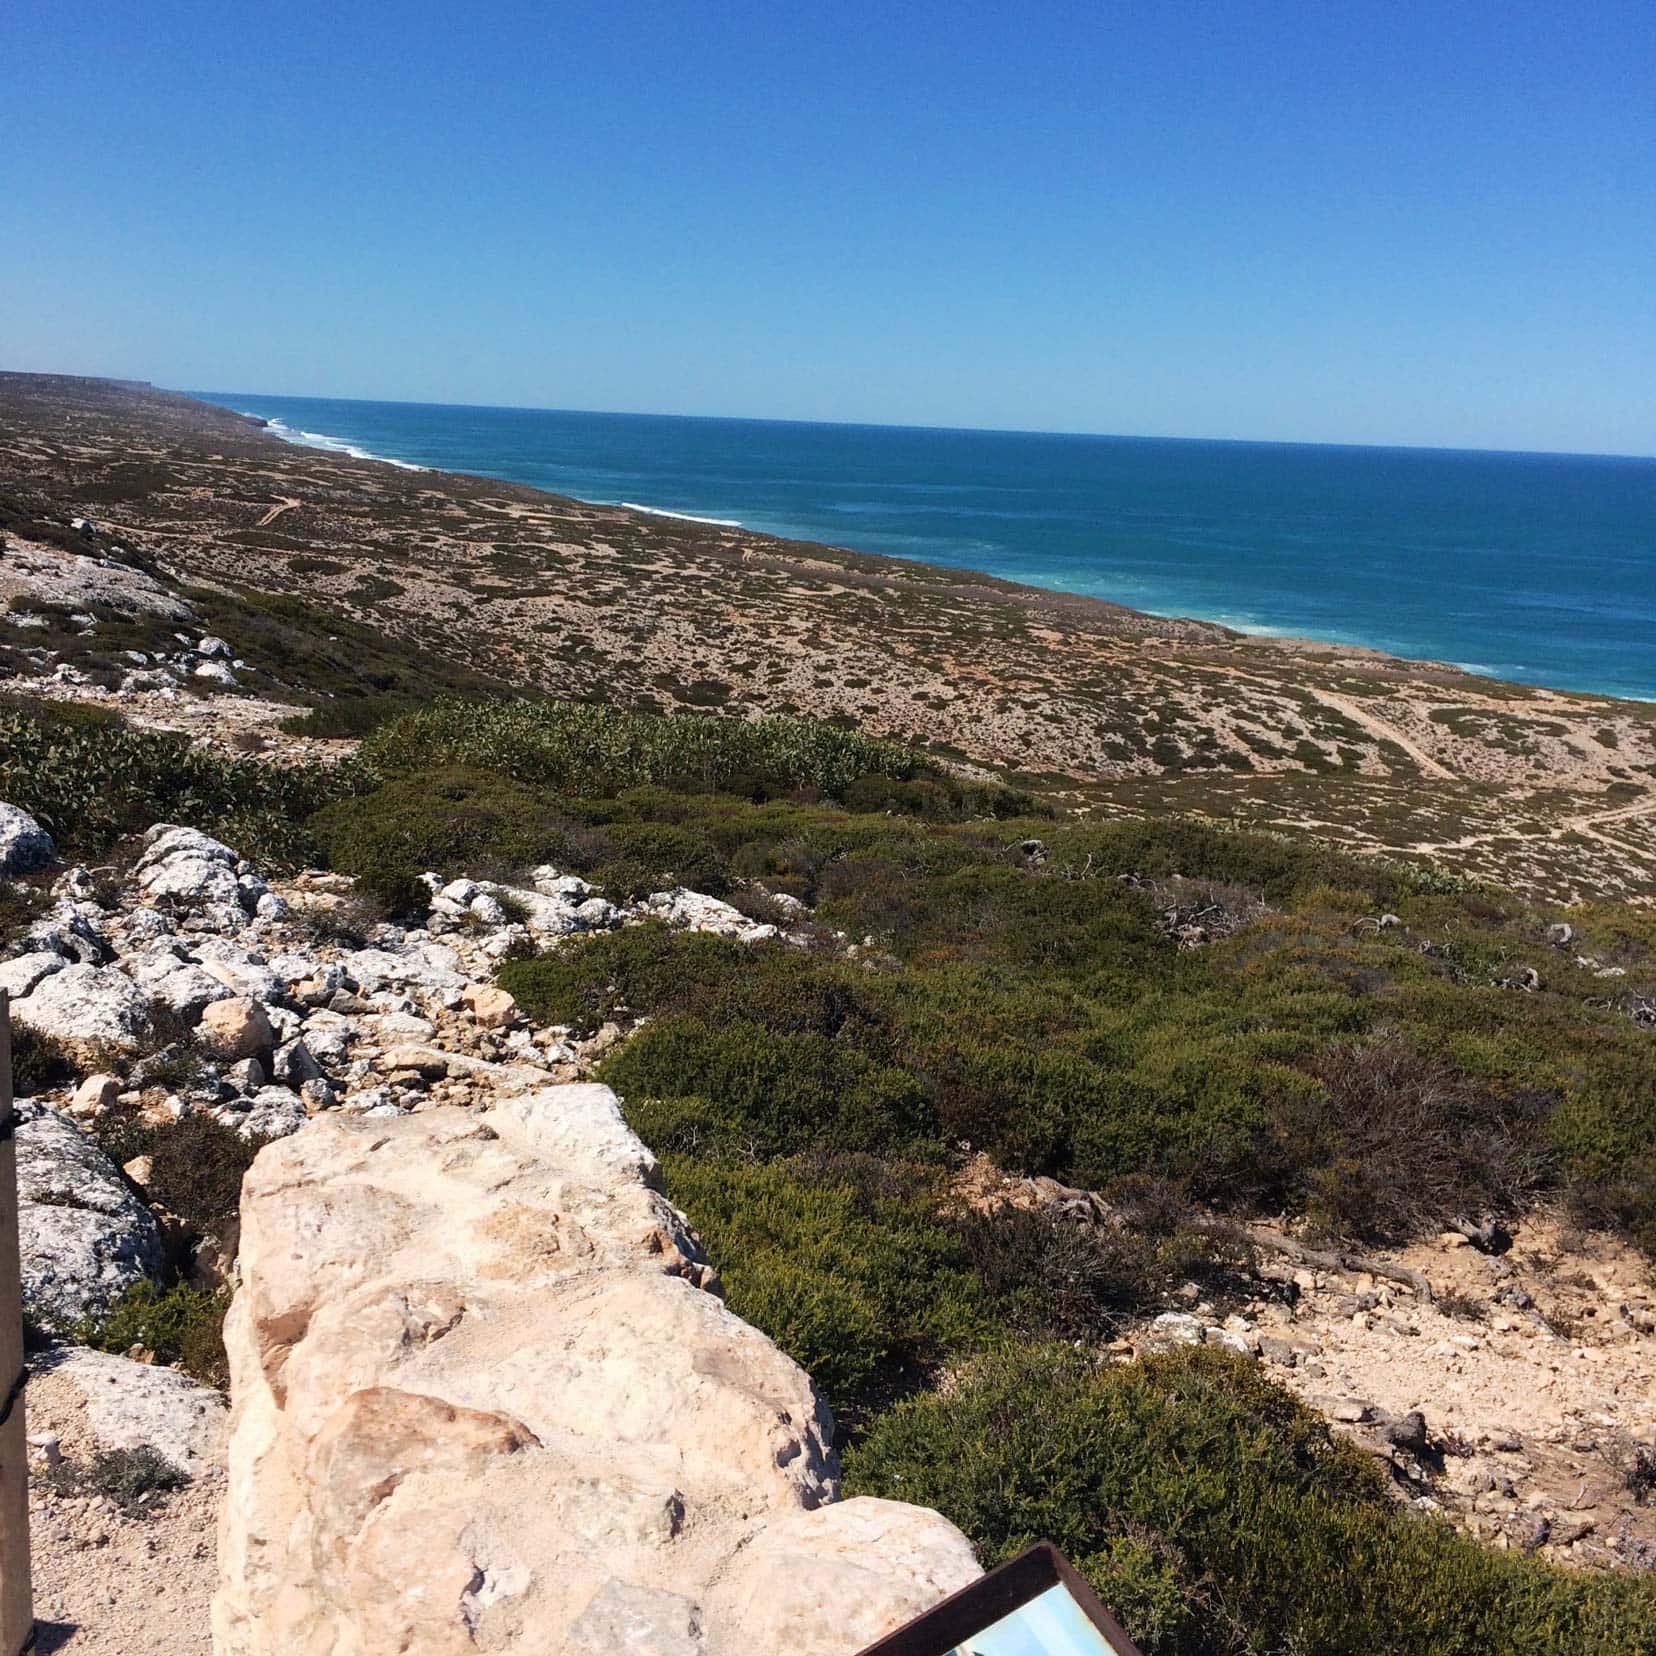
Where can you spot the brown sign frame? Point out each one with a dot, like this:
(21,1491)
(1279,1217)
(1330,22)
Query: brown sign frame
(996,1595)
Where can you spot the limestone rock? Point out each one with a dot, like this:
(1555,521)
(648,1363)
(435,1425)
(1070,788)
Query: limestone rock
(24,844)
(236,1028)
(480,1404)
(837,1579)
(430,974)
(20,974)
(694,912)
(95,1094)
(490,1007)
(85,1237)
(133,1405)
(86,1006)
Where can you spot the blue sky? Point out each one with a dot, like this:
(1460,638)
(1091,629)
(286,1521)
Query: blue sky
(1423,223)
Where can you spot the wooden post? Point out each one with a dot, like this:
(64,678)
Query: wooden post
(16,1593)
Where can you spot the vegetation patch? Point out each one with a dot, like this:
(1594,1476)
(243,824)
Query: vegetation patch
(1217,1514)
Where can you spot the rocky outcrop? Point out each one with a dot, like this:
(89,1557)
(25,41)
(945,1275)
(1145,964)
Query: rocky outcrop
(85,1237)
(24,844)
(485,1400)
(133,1405)
(86,1006)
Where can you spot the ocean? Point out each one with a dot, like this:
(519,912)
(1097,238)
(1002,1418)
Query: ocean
(1535,567)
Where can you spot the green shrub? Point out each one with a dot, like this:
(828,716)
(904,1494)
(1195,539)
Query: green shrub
(638,969)
(655,856)
(450,821)
(791,1092)
(1221,1515)
(89,786)
(842,1260)
(183,1326)
(130,1478)
(597,751)
(38,1061)
(196,1164)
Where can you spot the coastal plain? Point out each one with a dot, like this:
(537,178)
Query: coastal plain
(1548,793)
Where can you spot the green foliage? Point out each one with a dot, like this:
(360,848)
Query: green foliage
(196,1164)
(790,1091)
(88,785)
(655,856)
(38,1061)
(599,751)
(608,975)
(130,1478)
(183,1326)
(842,1260)
(1219,1515)
(446,820)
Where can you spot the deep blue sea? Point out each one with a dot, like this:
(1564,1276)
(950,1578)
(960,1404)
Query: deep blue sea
(1535,567)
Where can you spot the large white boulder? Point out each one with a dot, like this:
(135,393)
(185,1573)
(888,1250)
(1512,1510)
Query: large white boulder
(481,1401)
(85,1238)
(137,1405)
(429,973)
(86,1006)
(24,844)
(21,973)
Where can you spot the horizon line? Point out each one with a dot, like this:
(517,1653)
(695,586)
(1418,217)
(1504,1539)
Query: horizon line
(903,425)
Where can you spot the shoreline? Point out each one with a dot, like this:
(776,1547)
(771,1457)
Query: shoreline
(1266,632)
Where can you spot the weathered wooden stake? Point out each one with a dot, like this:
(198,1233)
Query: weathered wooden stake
(16,1592)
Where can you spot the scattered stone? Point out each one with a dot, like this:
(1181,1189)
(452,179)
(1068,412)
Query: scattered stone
(95,1094)
(490,1007)
(236,1028)
(1174,1328)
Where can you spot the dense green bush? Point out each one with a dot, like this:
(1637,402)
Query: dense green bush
(643,967)
(579,749)
(182,1325)
(843,1260)
(196,1164)
(88,785)
(447,821)
(791,1092)
(1216,1514)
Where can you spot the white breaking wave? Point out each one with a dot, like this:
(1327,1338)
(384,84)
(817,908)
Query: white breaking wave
(332,445)
(656,511)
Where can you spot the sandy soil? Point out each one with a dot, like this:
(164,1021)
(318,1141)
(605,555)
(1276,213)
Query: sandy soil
(107,1584)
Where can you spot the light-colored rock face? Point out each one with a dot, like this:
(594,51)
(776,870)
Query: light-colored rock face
(133,1405)
(694,912)
(19,975)
(86,1006)
(24,844)
(481,1403)
(238,1027)
(85,1237)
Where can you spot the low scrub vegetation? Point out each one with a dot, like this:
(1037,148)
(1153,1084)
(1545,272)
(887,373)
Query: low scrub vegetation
(1172,1015)
(91,783)
(582,750)
(180,1325)
(1217,1514)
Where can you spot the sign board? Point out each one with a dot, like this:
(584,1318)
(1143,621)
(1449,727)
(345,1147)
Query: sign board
(1036,1605)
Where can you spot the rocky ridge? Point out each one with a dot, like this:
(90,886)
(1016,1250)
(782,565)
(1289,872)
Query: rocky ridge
(496,1311)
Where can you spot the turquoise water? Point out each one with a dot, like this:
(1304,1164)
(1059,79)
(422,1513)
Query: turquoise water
(1535,567)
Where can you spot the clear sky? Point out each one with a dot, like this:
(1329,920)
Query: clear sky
(1407,222)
